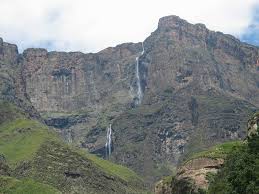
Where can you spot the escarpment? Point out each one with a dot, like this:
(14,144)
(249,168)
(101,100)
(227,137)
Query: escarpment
(197,89)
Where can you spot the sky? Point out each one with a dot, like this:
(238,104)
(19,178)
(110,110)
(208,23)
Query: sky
(251,33)
(92,25)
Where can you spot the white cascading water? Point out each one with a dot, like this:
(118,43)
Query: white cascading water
(69,137)
(108,141)
(139,91)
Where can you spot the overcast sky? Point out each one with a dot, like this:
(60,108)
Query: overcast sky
(92,25)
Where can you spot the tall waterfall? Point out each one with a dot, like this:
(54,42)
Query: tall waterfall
(108,141)
(139,90)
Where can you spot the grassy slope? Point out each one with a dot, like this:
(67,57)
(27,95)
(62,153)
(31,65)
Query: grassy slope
(22,139)
(218,151)
(117,170)
(11,185)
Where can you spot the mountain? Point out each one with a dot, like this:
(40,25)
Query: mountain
(183,90)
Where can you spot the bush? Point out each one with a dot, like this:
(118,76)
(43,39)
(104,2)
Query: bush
(240,174)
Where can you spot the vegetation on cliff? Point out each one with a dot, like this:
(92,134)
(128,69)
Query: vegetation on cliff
(218,151)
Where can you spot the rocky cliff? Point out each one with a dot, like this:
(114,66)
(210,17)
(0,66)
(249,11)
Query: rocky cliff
(198,87)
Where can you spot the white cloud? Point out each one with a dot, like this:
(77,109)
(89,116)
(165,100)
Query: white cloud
(91,25)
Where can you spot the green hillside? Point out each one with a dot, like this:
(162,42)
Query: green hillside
(36,160)
(11,185)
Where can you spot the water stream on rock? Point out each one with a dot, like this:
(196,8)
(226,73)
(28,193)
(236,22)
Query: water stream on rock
(108,141)
(69,136)
(139,91)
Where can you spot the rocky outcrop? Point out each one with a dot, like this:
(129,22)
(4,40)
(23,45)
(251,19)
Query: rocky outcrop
(5,170)
(192,177)
(164,186)
(196,172)
(253,126)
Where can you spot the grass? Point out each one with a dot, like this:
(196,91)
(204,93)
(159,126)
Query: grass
(120,171)
(147,110)
(168,180)
(11,185)
(109,167)
(9,112)
(115,169)
(218,151)
(53,159)
(20,139)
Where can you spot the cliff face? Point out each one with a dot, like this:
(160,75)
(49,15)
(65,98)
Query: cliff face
(12,85)
(66,82)
(198,88)
(9,64)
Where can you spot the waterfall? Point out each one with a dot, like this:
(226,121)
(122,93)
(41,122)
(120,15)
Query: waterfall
(139,90)
(69,136)
(108,141)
